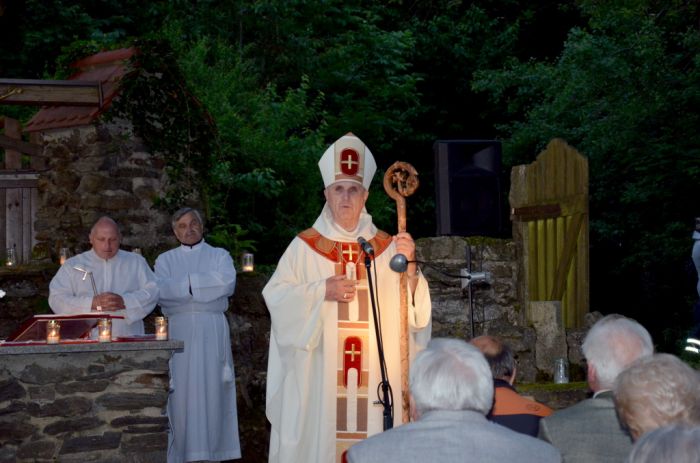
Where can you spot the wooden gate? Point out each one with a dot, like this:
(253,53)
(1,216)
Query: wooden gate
(549,210)
(19,196)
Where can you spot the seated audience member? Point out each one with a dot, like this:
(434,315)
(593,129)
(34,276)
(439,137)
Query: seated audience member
(590,431)
(124,284)
(510,409)
(656,391)
(672,444)
(451,390)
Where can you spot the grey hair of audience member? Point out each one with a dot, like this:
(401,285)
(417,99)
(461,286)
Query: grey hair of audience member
(186,210)
(451,374)
(612,344)
(656,391)
(674,443)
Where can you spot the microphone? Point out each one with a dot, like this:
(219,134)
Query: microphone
(366,247)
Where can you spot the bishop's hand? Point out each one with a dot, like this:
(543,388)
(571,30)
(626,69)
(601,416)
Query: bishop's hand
(339,288)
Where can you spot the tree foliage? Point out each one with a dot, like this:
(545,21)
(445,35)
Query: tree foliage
(281,79)
(625,92)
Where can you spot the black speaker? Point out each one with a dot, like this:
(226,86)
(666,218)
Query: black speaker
(467,187)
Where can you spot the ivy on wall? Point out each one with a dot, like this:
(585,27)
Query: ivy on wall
(171,122)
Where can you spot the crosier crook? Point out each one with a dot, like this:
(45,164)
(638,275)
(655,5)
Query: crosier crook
(400,181)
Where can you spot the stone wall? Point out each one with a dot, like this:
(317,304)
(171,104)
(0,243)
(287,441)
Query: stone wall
(61,404)
(495,308)
(95,170)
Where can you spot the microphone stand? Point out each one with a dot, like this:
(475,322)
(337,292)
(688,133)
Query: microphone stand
(385,397)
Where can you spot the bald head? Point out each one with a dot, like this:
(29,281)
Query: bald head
(498,355)
(105,238)
(488,345)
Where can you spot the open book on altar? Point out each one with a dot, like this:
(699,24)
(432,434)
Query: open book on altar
(73,326)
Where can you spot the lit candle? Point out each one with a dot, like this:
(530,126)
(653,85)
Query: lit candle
(247,262)
(64,255)
(11,257)
(161,328)
(104,329)
(53,332)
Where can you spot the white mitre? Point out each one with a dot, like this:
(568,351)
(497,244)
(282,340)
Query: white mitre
(348,159)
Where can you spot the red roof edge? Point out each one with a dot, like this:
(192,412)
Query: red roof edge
(106,57)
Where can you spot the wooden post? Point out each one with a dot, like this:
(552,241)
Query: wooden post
(13,158)
(400,181)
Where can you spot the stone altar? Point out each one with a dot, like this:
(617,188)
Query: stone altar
(85,402)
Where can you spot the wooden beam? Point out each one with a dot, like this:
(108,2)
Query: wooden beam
(566,257)
(51,92)
(9,143)
(13,158)
(9,183)
(529,213)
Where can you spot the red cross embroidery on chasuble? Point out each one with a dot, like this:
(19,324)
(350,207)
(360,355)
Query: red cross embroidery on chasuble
(352,358)
(349,162)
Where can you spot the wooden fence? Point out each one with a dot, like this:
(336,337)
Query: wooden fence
(549,201)
(19,195)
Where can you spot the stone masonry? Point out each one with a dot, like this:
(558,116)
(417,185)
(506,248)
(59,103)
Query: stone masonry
(76,406)
(95,170)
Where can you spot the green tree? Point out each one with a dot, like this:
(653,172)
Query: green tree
(625,92)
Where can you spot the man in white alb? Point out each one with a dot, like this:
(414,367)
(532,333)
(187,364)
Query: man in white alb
(323,366)
(195,281)
(124,282)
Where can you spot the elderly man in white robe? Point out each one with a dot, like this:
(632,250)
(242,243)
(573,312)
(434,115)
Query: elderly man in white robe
(323,365)
(125,284)
(196,281)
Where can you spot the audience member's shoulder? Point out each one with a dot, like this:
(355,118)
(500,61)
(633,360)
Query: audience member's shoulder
(528,447)
(578,409)
(509,402)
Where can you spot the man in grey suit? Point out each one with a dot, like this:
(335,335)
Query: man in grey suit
(451,391)
(590,430)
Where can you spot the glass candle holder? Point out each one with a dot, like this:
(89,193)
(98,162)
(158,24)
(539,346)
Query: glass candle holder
(161,328)
(11,257)
(561,371)
(63,256)
(104,330)
(247,262)
(53,332)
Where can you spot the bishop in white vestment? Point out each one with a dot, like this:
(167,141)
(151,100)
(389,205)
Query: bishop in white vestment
(323,366)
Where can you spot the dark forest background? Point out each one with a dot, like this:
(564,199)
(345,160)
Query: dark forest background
(619,80)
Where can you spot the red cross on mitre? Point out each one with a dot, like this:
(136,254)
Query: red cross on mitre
(349,162)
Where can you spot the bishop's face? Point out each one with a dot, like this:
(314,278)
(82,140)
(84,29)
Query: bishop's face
(346,200)
(188,229)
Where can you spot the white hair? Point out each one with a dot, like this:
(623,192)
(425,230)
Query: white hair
(656,391)
(674,443)
(612,344)
(451,374)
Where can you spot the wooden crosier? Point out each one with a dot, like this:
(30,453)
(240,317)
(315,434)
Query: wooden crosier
(400,181)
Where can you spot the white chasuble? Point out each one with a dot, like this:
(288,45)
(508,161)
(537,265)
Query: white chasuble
(323,366)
